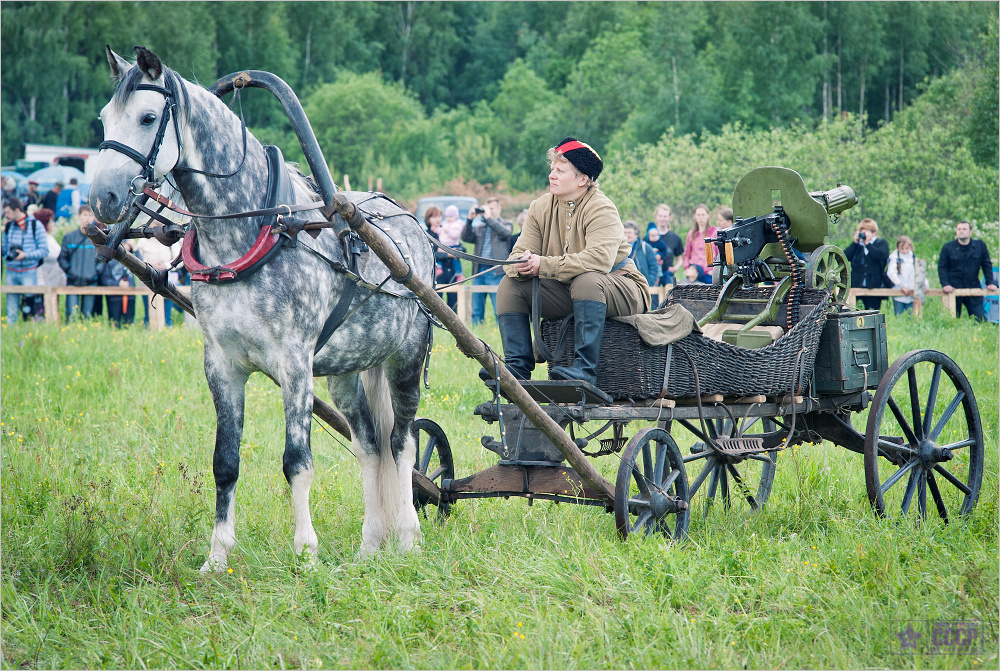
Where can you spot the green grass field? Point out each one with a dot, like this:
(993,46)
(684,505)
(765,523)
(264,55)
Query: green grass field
(108,502)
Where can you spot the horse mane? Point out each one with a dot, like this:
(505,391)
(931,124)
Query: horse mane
(172,81)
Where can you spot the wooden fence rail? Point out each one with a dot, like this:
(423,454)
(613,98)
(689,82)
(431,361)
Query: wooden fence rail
(947,299)
(464,307)
(51,296)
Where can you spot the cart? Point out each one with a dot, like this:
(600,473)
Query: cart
(746,399)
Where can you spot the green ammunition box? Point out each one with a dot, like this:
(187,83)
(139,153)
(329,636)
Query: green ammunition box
(852,353)
(747,339)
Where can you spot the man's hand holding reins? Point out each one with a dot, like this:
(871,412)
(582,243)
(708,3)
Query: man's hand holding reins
(530,266)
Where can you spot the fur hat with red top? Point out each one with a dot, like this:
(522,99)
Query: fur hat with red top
(582,156)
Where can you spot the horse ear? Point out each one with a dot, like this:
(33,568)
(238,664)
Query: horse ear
(119,66)
(149,63)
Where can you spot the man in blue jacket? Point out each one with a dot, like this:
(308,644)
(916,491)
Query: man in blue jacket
(958,268)
(24,249)
(79,262)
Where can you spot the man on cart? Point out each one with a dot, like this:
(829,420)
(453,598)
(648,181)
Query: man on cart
(573,242)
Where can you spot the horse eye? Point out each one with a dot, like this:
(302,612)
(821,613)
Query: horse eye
(148,119)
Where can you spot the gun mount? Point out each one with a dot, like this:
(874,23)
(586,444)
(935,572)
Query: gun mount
(777,221)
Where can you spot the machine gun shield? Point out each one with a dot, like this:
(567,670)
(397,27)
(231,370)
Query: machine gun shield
(761,189)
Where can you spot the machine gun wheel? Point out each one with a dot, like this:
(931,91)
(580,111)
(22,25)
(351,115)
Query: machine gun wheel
(827,269)
(651,493)
(433,460)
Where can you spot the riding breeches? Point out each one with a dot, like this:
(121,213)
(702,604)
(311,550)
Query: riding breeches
(617,290)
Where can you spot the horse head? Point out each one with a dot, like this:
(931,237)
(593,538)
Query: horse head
(142,142)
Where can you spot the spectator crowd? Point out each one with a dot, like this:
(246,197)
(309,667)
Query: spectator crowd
(33,257)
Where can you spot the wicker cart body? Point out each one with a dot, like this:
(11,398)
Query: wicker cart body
(629,369)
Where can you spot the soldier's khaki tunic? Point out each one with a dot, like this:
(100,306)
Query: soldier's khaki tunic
(579,244)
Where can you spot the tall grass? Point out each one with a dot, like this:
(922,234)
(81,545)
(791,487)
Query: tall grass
(107,506)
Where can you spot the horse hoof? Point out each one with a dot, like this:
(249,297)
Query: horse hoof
(216,564)
(366,552)
(308,560)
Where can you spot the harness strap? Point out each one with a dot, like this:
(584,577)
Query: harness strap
(148,162)
(338,315)
(465,255)
(280,209)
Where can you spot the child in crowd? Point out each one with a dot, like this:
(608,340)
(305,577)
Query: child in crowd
(667,243)
(902,273)
(451,235)
(77,259)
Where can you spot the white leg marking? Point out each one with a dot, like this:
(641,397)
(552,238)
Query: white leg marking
(407,520)
(388,489)
(305,536)
(373,529)
(223,540)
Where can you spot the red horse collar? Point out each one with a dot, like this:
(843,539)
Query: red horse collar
(261,250)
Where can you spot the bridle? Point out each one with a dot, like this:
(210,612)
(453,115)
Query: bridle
(148,162)
(142,186)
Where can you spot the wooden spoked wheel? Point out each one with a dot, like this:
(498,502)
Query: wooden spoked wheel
(733,482)
(433,460)
(651,493)
(924,435)
(827,269)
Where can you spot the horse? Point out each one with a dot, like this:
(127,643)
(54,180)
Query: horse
(159,128)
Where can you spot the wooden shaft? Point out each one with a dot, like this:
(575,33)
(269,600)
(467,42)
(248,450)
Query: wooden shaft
(329,414)
(473,347)
(140,269)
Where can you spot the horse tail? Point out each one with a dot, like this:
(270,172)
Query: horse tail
(380,406)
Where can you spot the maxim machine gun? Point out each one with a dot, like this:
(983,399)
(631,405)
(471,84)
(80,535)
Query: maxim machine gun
(779,238)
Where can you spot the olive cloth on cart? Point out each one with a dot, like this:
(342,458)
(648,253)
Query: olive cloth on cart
(668,324)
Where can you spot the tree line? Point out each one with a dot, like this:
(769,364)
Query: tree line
(471,89)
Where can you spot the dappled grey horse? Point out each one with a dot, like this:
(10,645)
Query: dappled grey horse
(271,318)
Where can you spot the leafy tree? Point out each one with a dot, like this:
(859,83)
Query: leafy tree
(766,60)
(328,36)
(528,119)
(612,80)
(359,116)
(254,36)
(982,127)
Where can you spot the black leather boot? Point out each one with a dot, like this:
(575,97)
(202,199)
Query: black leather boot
(515,333)
(588,332)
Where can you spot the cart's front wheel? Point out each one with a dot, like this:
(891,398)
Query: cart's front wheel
(433,459)
(934,438)
(651,493)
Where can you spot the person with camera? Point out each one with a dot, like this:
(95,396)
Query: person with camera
(574,242)
(24,249)
(868,255)
(79,261)
(491,235)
